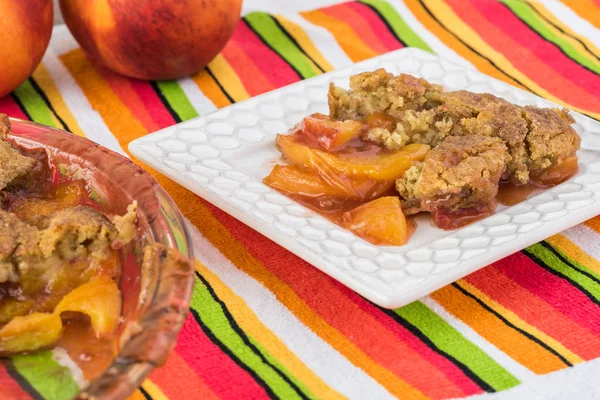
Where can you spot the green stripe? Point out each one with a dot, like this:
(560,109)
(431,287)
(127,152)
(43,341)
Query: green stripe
(34,104)
(177,99)
(268,30)
(453,343)
(525,13)
(276,363)
(556,264)
(50,379)
(402,30)
(212,315)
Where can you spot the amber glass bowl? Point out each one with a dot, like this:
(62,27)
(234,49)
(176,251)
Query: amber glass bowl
(156,292)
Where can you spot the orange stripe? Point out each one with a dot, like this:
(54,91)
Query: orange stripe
(209,87)
(222,239)
(514,319)
(586,10)
(137,395)
(449,40)
(343,33)
(535,311)
(127,94)
(252,78)
(124,126)
(176,377)
(359,25)
(103,99)
(508,340)
(594,224)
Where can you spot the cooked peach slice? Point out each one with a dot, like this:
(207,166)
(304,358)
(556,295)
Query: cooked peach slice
(30,332)
(380,222)
(327,133)
(62,196)
(385,166)
(100,299)
(293,180)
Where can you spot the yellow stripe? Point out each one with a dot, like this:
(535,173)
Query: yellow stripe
(304,41)
(153,390)
(443,12)
(573,251)
(209,87)
(518,322)
(228,78)
(45,82)
(592,50)
(250,324)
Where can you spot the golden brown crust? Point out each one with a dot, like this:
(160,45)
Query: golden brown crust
(380,91)
(4,126)
(463,171)
(536,138)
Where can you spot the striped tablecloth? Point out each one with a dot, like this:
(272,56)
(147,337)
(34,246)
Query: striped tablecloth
(265,323)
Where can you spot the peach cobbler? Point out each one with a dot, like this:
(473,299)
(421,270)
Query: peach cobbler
(59,257)
(395,146)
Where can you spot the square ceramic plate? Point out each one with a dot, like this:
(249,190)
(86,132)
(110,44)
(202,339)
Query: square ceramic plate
(224,156)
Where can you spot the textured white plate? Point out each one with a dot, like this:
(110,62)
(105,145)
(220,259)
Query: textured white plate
(224,156)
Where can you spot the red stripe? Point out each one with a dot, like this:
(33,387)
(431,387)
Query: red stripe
(176,377)
(154,105)
(443,364)
(266,60)
(366,25)
(556,291)
(225,378)
(524,60)
(254,81)
(10,388)
(327,298)
(500,15)
(535,311)
(9,107)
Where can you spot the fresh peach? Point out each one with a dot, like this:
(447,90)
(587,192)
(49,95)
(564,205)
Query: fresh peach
(152,39)
(25,30)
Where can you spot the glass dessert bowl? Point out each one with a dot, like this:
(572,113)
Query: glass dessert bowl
(151,271)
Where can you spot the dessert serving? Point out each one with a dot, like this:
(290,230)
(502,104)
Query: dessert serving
(59,260)
(395,146)
(94,261)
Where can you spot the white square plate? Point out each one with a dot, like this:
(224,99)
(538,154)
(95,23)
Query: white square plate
(224,156)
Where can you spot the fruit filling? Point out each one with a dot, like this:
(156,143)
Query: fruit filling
(395,146)
(60,260)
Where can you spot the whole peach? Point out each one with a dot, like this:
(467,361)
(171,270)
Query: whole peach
(152,39)
(25,30)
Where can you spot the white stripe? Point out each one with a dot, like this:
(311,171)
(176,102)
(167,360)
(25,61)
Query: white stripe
(201,103)
(288,7)
(579,382)
(513,367)
(323,40)
(89,120)
(332,367)
(432,41)
(586,238)
(61,356)
(577,24)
